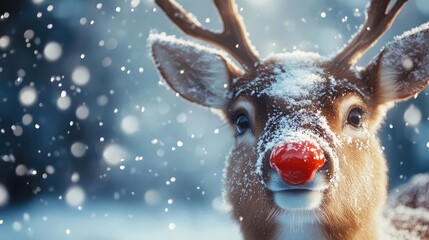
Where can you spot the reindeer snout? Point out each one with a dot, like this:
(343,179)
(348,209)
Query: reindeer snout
(297,162)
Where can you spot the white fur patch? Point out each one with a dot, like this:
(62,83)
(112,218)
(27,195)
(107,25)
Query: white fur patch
(302,199)
(318,183)
(355,133)
(388,88)
(306,197)
(300,225)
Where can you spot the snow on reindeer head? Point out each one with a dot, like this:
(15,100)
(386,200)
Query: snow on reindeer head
(306,150)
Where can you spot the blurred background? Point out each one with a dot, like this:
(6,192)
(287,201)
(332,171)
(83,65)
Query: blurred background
(93,146)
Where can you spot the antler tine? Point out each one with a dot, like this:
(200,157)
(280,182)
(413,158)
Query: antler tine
(233,39)
(378,21)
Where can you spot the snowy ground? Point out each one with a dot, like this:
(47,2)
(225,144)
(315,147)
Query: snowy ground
(113,221)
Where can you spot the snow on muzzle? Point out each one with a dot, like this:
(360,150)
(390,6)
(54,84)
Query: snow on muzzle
(296,147)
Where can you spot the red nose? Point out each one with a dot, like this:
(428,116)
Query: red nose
(297,162)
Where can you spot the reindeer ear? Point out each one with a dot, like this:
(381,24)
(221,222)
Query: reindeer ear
(199,74)
(402,68)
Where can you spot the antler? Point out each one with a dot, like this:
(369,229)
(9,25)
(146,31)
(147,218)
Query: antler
(233,39)
(378,21)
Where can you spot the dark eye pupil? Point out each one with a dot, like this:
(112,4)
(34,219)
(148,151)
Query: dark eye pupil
(355,117)
(242,124)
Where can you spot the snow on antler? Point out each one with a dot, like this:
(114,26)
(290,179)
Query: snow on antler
(379,18)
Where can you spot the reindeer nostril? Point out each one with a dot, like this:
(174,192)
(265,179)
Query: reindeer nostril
(297,162)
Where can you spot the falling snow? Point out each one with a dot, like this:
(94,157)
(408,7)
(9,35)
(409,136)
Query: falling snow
(52,51)
(75,196)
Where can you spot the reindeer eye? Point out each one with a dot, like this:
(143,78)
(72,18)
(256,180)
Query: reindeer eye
(355,117)
(242,124)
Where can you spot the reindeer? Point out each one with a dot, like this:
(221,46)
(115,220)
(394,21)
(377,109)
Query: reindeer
(306,161)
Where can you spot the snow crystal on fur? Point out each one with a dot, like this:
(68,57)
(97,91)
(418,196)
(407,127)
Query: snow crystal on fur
(296,75)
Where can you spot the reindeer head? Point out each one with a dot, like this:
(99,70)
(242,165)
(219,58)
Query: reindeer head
(305,126)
